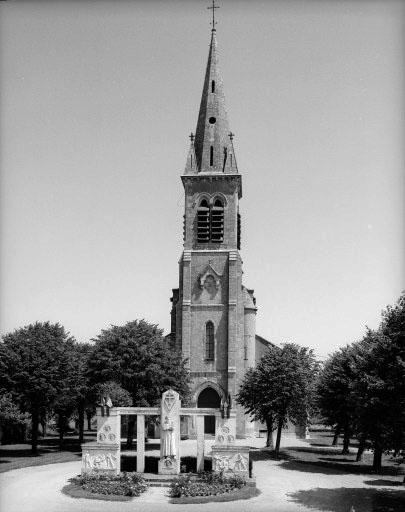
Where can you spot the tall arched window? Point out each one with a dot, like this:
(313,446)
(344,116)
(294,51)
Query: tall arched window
(210,222)
(203,222)
(209,341)
(217,221)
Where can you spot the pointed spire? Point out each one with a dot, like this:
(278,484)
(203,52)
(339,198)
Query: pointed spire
(213,144)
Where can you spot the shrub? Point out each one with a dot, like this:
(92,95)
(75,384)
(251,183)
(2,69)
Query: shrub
(124,484)
(206,484)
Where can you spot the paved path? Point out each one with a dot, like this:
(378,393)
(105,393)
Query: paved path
(284,488)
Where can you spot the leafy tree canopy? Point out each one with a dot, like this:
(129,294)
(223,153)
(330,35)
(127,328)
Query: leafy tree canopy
(333,387)
(137,357)
(120,397)
(362,385)
(10,413)
(281,387)
(34,363)
(35,367)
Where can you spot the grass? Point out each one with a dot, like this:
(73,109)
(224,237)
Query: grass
(321,456)
(16,456)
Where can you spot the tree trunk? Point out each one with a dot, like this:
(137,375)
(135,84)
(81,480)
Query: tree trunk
(34,431)
(377,458)
(130,435)
(61,431)
(360,451)
(89,416)
(269,441)
(278,440)
(346,441)
(43,426)
(336,436)
(81,422)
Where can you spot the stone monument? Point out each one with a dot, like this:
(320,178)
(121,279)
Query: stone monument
(104,455)
(169,463)
(228,457)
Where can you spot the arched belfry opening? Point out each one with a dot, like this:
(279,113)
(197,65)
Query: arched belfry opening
(209,398)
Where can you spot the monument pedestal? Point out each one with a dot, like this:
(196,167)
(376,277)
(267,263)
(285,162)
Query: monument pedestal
(227,457)
(231,459)
(101,458)
(104,456)
(169,466)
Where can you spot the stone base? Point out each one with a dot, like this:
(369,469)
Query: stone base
(169,466)
(101,458)
(231,459)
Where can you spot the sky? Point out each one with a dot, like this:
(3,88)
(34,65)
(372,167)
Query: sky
(97,101)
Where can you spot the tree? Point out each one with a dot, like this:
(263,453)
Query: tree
(333,392)
(251,397)
(11,418)
(363,386)
(119,397)
(74,388)
(378,393)
(280,388)
(137,356)
(83,390)
(33,365)
(393,327)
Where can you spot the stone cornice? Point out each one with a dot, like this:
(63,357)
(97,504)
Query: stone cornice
(210,177)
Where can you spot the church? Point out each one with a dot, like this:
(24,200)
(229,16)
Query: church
(213,316)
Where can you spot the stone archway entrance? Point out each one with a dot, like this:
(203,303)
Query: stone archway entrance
(209,398)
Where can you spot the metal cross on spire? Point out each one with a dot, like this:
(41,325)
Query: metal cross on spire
(213,7)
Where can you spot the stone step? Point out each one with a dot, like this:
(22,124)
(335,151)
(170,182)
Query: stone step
(154,480)
(153,483)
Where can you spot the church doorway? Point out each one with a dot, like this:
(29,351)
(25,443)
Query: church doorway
(209,398)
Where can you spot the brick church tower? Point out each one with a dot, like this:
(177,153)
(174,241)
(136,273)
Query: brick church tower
(213,313)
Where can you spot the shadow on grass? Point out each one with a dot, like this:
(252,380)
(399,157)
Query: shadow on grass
(25,452)
(312,467)
(380,482)
(331,459)
(330,468)
(343,498)
(46,445)
(260,454)
(19,455)
(315,450)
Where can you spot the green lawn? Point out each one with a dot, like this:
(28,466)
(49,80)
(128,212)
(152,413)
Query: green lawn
(15,456)
(322,454)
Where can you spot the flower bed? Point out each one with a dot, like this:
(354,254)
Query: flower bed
(206,484)
(124,484)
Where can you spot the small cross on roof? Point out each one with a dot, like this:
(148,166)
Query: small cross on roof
(213,7)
